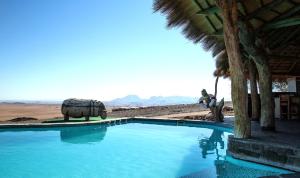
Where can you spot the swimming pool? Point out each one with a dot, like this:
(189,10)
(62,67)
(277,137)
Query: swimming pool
(131,150)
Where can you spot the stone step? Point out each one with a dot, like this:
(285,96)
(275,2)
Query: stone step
(293,175)
(264,152)
(294,160)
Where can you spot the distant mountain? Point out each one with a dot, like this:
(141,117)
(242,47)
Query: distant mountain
(134,100)
(30,102)
(130,100)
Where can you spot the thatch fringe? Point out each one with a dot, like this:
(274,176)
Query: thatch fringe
(178,15)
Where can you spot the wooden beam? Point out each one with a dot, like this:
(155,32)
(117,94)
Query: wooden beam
(283,23)
(281,63)
(263,8)
(289,13)
(209,11)
(279,74)
(285,58)
(243,8)
(260,19)
(216,13)
(280,71)
(284,75)
(219,18)
(261,2)
(277,38)
(275,11)
(207,18)
(218,33)
(291,35)
(292,66)
(284,15)
(293,2)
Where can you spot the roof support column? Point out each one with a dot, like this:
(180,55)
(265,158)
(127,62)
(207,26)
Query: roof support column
(258,55)
(255,104)
(242,124)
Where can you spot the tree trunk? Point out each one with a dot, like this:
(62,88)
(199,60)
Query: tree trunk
(267,121)
(255,104)
(242,124)
(216,111)
(216,86)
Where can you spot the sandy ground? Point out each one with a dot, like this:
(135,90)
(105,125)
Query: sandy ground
(182,115)
(42,112)
(39,111)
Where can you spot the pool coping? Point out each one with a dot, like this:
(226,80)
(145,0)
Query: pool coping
(58,124)
(115,121)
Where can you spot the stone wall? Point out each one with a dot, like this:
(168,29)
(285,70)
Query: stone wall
(273,154)
(154,110)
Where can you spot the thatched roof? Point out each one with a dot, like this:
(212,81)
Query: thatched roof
(276,22)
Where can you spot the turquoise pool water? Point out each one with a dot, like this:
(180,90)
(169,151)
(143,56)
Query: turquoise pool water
(132,150)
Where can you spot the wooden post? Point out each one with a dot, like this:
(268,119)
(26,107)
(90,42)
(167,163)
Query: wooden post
(216,86)
(267,121)
(242,124)
(255,104)
(217,111)
(247,38)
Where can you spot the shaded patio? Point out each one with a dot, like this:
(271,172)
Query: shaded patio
(287,133)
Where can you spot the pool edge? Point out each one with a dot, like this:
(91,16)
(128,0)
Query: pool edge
(114,121)
(64,124)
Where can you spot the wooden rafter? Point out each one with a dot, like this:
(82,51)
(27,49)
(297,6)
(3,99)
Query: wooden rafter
(277,38)
(262,9)
(219,32)
(292,66)
(282,23)
(275,11)
(207,18)
(261,2)
(244,9)
(293,2)
(282,37)
(208,11)
(260,19)
(287,14)
(291,35)
(219,18)
(283,58)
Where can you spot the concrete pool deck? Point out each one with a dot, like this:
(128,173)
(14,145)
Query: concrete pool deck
(279,149)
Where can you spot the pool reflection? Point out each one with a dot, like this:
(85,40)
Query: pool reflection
(223,166)
(210,145)
(83,135)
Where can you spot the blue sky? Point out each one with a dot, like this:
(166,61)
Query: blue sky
(56,49)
